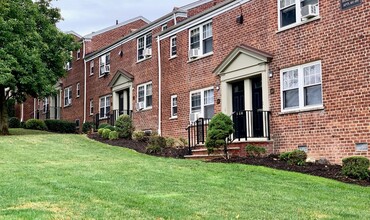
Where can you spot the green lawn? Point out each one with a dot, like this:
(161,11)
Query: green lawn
(53,176)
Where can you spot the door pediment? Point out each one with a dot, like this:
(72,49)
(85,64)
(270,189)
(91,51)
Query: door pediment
(121,77)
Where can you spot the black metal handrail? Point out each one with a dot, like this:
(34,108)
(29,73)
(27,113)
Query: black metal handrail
(111,117)
(197,132)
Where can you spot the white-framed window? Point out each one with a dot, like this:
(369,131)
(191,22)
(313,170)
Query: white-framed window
(69,63)
(174,106)
(77,90)
(144,46)
(164,27)
(173,46)
(68,96)
(293,12)
(104,64)
(201,40)
(145,95)
(91,106)
(202,102)
(78,54)
(104,106)
(92,67)
(301,87)
(45,106)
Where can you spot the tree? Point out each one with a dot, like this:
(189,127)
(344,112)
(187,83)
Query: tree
(220,128)
(33,52)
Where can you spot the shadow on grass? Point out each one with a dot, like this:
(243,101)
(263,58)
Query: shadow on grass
(22,132)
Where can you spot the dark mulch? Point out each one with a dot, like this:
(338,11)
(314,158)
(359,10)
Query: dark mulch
(140,147)
(315,169)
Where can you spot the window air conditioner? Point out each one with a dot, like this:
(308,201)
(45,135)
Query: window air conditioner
(194,116)
(139,106)
(147,52)
(193,53)
(309,11)
(107,69)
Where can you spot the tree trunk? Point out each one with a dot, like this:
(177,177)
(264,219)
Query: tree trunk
(3,113)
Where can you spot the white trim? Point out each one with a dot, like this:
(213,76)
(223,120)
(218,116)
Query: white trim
(104,64)
(301,107)
(172,106)
(145,94)
(78,54)
(69,99)
(159,88)
(92,66)
(201,91)
(201,39)
(105,105)
(171,46)
(91,106)
(78,91)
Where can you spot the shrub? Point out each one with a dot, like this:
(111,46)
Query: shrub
(105,133)
(87,126)
(296,157)
(113,135)
(153,149)
(124,126)
(100,131)
(254,151)
(103,125)
(23,124)
(61,126)
(156,143)
(220,128)
(356,167)
(170,142)
(36,124)
(140,136)
(183,142)
(14,122)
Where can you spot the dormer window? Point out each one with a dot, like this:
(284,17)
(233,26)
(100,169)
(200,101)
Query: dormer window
(104,64)
(144,47)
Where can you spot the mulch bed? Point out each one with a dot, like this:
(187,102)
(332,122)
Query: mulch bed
(140,147)
(315,169)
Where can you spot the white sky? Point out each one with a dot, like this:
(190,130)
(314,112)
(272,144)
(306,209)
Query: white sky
(86,16)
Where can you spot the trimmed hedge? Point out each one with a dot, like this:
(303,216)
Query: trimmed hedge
(105,133)
(356,167)
(113,135)
(296,157)
(36,124)
(254,151)
(61,126)
(14,122)
(87,126)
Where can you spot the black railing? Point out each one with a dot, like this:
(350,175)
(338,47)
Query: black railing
(247,124)
(50,113)
(111,117)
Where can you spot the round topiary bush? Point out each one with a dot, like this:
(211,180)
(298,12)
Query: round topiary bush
(36,124)
(124,126)
(100,131)
(105,133)
(14,122)
(220,127)
(113,135)
(356,167)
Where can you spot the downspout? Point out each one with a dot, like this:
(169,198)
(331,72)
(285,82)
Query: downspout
(34,108)
(22,113)
(83,57)
(159,88)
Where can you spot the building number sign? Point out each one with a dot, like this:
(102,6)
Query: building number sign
(346,4)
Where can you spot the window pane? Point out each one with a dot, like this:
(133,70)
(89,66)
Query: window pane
(291,98)
(207,31)
(195,102)
(313,95)
(290,79)
(102,112)
(208,97)
(107,101)
(148,40)
(208,45)
(148,101)
(174,111)
(194,39)
(208,111)
(288,16)
(149,89)
(141,94)
(312,75)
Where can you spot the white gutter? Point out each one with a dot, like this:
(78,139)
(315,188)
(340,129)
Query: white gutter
(159,88)
(83,57)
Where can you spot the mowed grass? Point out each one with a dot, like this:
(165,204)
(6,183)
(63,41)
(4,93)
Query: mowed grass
(54,176)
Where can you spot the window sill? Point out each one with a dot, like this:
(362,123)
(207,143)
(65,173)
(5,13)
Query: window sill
(104,75)
(66,106)
(173,118)
(142,60)
(308,109)
(173,57)
(91,74)
(297,24)
(200,57)
(144,109)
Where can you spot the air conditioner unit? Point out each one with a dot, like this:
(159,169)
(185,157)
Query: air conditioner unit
(139,106)
(147,52)
(107,69)
(194,116)
(309,11)
(193,53)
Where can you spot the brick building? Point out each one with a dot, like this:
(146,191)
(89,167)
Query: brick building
(291,74)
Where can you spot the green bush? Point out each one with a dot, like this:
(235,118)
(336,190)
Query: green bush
(140,136)
(356,167)
(103,125)
(296,157)
(87,126)
(183,142)
(23,124)
(105,133)
(254,151)
(170,142)
(36,124)
(14,122)
(124,126)
(156,144)
(220,127)
(113,135)
(61,126)
(100,131)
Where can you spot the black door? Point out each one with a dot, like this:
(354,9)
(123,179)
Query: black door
(120,102)
(239,114)
(257,124)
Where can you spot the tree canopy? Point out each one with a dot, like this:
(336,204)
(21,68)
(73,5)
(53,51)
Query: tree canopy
(33,51)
